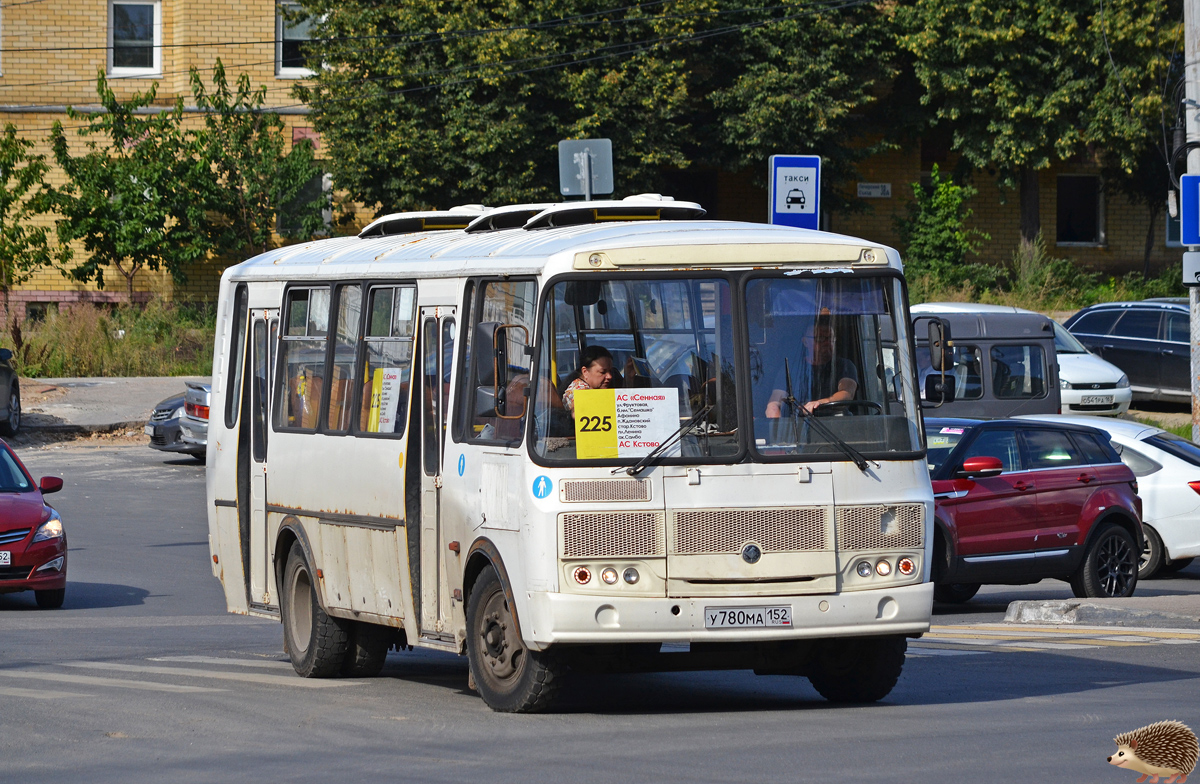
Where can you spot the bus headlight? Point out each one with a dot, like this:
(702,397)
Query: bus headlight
(906,566)
(883,568)
(631,576)
(609,575)
(582,575)
(863,569)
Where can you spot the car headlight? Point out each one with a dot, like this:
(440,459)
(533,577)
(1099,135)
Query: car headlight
(1063,383)
(1123,382)
(51,529)
(177,413)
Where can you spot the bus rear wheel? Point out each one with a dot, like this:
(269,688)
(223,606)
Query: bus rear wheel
(857,669)
(316,642)
(510,677)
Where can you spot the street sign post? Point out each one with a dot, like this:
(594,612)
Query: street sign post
(795,193)
(585,167)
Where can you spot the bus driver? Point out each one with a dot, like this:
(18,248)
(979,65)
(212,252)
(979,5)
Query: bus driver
(818,377)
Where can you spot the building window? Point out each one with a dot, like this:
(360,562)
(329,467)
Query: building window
(135,39)
(291,33)
(1080,210)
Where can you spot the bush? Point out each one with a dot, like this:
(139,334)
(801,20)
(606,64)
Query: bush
(160,339)
(937,244)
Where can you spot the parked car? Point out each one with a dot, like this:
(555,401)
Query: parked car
(164,430)
(1168,474)
(1086,383)
(10,387)
(194,423)
(33,544)
(1018,501)
(1149,340)
(1004,365)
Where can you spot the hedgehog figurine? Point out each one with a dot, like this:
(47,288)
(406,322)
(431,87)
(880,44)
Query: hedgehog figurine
(1167,748)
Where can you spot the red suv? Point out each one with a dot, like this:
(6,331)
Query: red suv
(1018,502)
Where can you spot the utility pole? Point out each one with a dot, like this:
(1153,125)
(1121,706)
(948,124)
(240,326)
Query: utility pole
(1191,49)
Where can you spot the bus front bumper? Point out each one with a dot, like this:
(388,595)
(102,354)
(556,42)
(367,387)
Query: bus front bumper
(569,618)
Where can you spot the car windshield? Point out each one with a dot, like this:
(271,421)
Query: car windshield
(940,442)
(1174,445)
(827,346)
(1065,342)
(12,478)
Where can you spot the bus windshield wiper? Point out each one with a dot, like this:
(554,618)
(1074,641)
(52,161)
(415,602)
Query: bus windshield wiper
(667,443)
(818,425)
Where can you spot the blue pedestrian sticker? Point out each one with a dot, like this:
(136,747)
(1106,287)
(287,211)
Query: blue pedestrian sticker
(462,464)
(542,486)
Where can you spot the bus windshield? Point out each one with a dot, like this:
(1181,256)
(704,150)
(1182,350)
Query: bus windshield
(827,347)
(638,365)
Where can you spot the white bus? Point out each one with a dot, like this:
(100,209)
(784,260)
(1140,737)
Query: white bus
(406,448)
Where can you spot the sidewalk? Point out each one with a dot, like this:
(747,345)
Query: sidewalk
(94,405)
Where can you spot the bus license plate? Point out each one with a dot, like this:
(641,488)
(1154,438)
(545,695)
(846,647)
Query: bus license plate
(747,617)
(1096,400)
(5,558)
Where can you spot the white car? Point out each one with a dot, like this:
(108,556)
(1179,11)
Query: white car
(1088,384)
(1167,468)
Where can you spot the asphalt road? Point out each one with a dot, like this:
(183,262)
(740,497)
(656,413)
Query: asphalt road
(143,677)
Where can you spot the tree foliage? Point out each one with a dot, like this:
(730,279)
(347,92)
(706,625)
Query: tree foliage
(131,196)
(25,247)
(936,241)
(255,175)
(427,104)
(1025,83)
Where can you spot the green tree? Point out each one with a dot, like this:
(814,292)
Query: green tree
(25,247)
(134,195)
(936,241)
(1025,83)
(256,176)
(424,104)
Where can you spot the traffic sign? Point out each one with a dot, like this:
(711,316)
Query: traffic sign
(585,167)
(795,191)
(1189,209)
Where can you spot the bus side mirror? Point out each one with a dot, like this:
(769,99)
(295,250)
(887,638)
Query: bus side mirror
(940,355)
(939,388)
(511,369)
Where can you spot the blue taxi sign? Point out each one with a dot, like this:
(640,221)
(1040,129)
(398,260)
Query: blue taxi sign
(1189,209)
(795,191)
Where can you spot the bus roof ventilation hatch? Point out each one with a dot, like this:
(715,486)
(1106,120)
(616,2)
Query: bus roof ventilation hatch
(643,207)
(514,216)
(432,220)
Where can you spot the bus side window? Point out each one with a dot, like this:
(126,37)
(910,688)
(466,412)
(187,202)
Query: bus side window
(302,358)
(345,347)
(500,372)
(387,366)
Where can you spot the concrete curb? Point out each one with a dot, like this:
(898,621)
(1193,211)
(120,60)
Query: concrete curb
(1079,611)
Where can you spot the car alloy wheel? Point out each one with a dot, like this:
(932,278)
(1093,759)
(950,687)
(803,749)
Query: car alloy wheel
(1116,566)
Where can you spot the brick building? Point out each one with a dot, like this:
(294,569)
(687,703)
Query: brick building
(52,50)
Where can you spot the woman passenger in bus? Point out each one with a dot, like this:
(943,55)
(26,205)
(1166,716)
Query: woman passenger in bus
(595,372)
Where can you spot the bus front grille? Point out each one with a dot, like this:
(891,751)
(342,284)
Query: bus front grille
(775,530)
(881,527)
(605,490)
(612,534)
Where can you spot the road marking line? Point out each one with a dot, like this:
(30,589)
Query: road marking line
(91,680)
(264,663)
(1077,642)
(268,680)
(1017,643)
(1072,630)
(36,694)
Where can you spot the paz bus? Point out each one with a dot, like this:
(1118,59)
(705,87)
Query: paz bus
(404,449)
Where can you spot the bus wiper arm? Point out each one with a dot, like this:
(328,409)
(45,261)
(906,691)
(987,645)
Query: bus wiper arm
(667,443)
(818,425)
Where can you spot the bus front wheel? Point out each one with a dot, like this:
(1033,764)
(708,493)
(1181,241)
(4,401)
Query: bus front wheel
(510,677)
(316,642)
(857,669)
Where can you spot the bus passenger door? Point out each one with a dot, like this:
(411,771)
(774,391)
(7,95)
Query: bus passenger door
(437,352)
(263,325)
